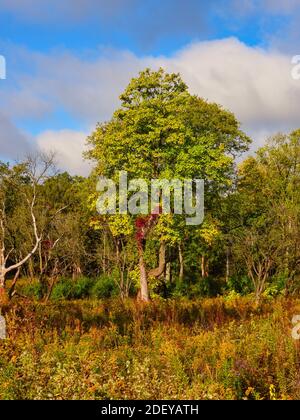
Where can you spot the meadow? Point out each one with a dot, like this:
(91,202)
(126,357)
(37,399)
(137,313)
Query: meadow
(218,348)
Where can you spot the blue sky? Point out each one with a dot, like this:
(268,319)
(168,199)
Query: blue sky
(68,60)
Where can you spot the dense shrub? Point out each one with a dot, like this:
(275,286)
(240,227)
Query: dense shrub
(104,287)
(32,290)
(202,287)
(240,284)
(64,289)
(80,288)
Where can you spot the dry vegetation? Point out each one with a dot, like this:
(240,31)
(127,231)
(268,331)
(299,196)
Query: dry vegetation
(206,349)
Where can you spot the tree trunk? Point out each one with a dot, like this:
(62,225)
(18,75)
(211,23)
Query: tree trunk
(155,272)
(181,269)
(144,292)
(104,255)
(203,266)
(3,294)
(227,264)
(2,279)
(158,271)
(168,273)
(31,271)
(14,282)
(50,289)
(2,267)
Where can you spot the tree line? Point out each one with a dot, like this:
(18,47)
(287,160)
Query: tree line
(247,243)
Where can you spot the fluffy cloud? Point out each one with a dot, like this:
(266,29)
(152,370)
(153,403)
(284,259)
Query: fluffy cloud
(68,146)
(254,83)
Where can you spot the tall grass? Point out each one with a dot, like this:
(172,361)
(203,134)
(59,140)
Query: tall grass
(174,349)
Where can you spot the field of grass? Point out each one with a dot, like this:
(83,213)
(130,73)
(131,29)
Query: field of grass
(176,349)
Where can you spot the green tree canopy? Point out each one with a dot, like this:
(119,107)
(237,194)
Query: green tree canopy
(162,131)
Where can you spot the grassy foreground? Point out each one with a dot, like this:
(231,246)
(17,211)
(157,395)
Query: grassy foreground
(206,349)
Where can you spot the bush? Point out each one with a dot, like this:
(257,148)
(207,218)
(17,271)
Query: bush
(64,289)
(207,287)
(277,286)
(82,288)
(181,289)
(72,289)
(33,290)
(104,287)
(240,284)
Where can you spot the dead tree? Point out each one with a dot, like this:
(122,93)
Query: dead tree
(35,169)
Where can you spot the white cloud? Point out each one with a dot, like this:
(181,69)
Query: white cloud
(68,146)
(86,88)
(253,83)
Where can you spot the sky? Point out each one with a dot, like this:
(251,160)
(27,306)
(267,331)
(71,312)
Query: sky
(67,62)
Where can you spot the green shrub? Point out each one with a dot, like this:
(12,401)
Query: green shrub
(64,289)
(181,289)
(276,286)
(33,290)
(240,284)
(104,287)
(206,287)
(203,287)
(82,288)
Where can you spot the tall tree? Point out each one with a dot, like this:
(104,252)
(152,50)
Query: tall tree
(161,131)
